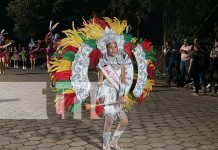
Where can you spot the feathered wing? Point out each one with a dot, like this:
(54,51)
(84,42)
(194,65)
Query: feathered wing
(63,60)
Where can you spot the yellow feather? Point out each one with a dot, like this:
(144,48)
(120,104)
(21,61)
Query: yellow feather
(69,91)
(72,39)
(129,102)
(91,30)
(60,65)
(117,26)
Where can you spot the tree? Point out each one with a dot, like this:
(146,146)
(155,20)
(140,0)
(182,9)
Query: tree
(31,17)
(135,10)
(183,19)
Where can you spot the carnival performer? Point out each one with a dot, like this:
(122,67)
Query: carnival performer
(48,51)
(69,72)
(32,55)
(24,57)
(15,57)
(109,94)
(50,37)
(7,56)
(2,56)
(51,41)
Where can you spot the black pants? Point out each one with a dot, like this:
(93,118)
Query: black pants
(197,74)
(174,62)
(214,73)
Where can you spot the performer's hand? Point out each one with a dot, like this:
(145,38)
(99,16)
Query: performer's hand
(100,84)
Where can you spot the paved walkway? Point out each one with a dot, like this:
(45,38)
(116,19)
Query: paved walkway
(170,119)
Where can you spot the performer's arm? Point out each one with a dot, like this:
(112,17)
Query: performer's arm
(123,74)
(100,78)
(122,85)
(100,83)
(4,46)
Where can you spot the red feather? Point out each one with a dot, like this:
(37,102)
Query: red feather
(71,48)
(146,45)
(128,49)
(94,56)
(67,49)
(69,99)
(141,99)
(98,109)
(100,22)
(150,70)
(64,75)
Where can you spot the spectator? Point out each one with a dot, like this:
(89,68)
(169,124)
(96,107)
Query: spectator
(214,62)
(185,51)
(197,65)
(167,53)
(174,62)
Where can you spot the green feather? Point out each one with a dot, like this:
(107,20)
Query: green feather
(61,91)
(55,55)
(68,56)
(83,37)
(64,84)
(140,41)
(91,43)
(74,106)
(127,38)
(150,56)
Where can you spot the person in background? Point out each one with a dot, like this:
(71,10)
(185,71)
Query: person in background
(24,57)
(174,62)
(185,51)
(15,57)
(197,65)
(214,63)
(7,53)
(2,56)
(167,53)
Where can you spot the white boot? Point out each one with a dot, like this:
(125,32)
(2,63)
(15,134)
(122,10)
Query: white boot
(114,142)
(106,140)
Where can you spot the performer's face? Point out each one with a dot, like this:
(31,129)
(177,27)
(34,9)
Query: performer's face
(112,49)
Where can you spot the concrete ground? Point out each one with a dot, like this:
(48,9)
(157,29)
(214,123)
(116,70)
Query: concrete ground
(169,119)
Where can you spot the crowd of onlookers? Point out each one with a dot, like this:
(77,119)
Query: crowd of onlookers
(192,62)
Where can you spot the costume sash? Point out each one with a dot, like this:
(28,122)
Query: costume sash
(111,76)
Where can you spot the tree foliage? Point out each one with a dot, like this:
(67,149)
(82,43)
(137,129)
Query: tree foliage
(32,16)
(189,18)
(179,18)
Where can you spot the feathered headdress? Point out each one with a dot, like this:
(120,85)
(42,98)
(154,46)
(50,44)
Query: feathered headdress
(52,27)
(31,44)
(2,35)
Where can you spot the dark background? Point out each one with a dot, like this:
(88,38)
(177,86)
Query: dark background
(155,20)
